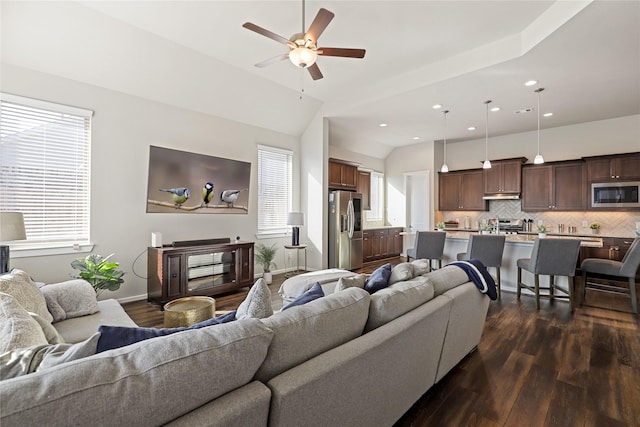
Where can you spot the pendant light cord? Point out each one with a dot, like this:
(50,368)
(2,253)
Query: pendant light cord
(445,135)
(486,132)
(538,92)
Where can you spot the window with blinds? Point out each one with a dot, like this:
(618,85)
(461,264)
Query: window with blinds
(45,157)
(275,175)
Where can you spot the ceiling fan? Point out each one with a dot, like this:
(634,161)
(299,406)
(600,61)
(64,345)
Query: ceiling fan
(303,46)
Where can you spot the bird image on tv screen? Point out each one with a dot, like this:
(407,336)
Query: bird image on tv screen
(185,182)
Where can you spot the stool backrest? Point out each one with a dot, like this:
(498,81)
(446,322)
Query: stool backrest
(631,259)
(552,256)
(486,248)
(429,244)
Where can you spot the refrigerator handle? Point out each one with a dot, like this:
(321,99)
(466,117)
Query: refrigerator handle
(350,215)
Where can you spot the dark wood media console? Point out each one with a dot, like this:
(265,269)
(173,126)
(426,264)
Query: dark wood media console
(203,268)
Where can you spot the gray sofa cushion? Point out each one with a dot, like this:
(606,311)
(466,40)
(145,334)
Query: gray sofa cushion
(447,277)
(392,302)
(80,328)
(303,332)
(152,380)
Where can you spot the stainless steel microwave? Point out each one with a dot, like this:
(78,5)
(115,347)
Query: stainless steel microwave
(615,195)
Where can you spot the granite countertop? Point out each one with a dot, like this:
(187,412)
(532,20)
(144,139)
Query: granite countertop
(590,241)
(381,227)
(534,233)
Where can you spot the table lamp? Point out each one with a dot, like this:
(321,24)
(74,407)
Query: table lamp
(295,219)
(11,228)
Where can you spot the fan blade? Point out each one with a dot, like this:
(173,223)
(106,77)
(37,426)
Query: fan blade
(318,25)
(267,33)
(272,60)
(337,51)
(315,72)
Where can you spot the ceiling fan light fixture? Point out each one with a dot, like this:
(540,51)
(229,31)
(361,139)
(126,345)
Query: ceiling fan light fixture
(303,57)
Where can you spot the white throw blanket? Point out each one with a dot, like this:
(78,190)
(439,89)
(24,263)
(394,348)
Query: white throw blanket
(69,299)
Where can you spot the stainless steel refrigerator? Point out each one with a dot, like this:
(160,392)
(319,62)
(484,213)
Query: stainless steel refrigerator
(345,230)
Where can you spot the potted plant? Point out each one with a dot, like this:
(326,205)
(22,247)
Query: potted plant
(99,272)
(440,226)
(595,227)
(264,256)
(542,231)
(485,228)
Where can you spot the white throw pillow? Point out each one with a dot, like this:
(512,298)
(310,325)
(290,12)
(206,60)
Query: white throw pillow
(17,328)
(257,304)
(420,267)
(19,285)
(73,298)
(401,272)
(351,282)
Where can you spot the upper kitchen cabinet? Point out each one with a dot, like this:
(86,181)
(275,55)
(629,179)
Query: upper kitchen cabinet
(461,191)
(364,188)
(619,167)
(343,175)
(504,177)
(554,186)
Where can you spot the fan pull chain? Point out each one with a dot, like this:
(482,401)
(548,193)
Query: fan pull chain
(301,83)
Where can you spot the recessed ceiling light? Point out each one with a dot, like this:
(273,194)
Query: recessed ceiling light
(530,82)
(383,125)
(471,128)
(416,138)
(548,114)
(494,109)
(436,106)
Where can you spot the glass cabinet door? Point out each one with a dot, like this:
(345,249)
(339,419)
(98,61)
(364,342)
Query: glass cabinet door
(207,270)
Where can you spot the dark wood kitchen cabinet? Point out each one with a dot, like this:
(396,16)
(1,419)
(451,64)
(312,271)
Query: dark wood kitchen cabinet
(504,177)
(364,188)
(556,186)
(201,269)
(620,167)
(461,191)
(380,243)
(342,175)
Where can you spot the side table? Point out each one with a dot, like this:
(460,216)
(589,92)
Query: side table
(289,272)
(188,311)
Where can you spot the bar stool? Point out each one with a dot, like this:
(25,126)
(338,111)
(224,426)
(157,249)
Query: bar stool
(428,245)
(627,268)
(550,257)
(488,249)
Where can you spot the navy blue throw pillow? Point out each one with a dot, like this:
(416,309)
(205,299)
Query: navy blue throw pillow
(119,336)
(313,293)
(379,279)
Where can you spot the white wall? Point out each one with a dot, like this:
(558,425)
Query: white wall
(123,128)
(619,135)
(366,162)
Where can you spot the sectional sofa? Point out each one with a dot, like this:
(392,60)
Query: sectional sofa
(347,359)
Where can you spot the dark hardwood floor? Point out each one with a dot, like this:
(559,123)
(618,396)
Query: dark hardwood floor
(532,368)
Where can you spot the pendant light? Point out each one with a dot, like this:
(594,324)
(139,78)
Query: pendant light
(445,168)
(487,163)
(538,159)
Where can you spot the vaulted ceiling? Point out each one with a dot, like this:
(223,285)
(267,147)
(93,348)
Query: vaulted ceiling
(196,55)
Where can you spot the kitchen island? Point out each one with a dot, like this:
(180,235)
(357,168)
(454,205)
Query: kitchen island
(516,246)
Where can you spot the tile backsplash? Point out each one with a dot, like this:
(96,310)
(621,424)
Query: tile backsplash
(612,223)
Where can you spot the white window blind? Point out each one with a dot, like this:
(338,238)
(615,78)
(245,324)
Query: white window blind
(45,153)
(275,175)
(376,201)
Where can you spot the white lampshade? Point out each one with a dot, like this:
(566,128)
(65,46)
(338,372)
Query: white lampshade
(12,226)
(486,164)
(303,57)
(444,168)
(295,218)
(538,160)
